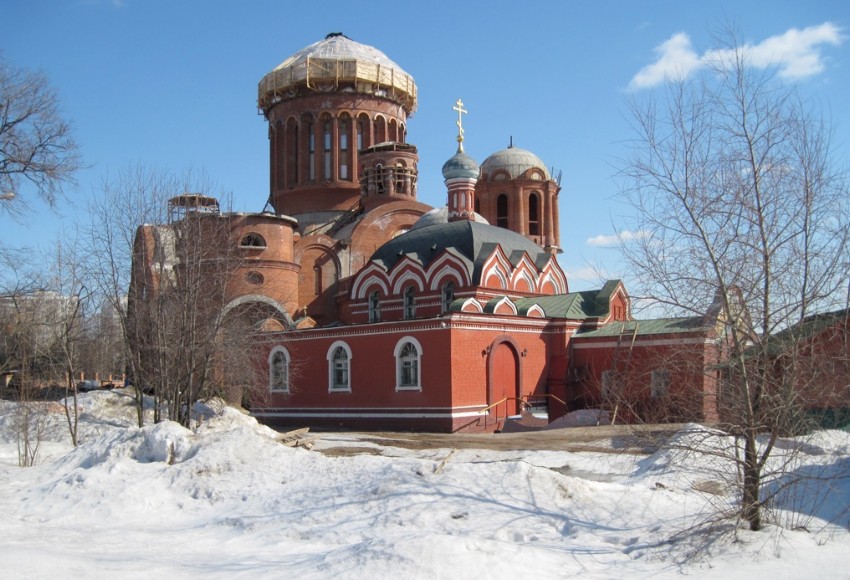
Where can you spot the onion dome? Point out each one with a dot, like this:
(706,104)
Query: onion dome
(460,165)
(338,64)
(515,162)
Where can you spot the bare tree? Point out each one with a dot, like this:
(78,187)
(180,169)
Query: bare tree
(737,194)
(36,144)
(18,358)
(67,281)
(169,280)
(135,196)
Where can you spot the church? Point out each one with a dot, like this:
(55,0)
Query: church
(381,312)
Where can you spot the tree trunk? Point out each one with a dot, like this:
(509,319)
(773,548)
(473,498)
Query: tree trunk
(750,504)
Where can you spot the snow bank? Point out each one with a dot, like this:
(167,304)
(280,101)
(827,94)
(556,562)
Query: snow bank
(225,499)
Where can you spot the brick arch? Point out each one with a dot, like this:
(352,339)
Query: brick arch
(379,129)
(320,272)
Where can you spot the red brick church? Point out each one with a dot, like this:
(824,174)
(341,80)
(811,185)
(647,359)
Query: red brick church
(382,312)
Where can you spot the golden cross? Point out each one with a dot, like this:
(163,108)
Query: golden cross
(460,111)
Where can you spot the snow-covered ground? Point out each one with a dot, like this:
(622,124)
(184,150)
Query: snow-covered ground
(227,500)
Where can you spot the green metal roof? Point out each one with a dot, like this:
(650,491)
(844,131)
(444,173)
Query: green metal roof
(575,305)
(648,327)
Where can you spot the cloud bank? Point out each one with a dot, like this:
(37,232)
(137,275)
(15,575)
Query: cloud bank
(606,241)
(796,53)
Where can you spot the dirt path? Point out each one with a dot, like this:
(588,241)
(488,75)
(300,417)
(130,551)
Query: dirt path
(604,438)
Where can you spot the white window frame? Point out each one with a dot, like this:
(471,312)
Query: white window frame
(447,296)
(397,352)
(374,301)
(409,302)
(286,361)
(332,386)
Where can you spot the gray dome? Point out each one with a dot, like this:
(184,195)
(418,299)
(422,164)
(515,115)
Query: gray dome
(515,161)
(440,215)
(460,165)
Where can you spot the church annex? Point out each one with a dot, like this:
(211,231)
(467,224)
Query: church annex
(381,312)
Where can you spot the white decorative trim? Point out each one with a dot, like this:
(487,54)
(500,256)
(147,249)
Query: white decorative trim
(365,277)
(504,300)
(416,276)
(536,309)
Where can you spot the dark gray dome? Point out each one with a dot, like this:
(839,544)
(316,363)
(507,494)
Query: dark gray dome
(440,215)
(473,241)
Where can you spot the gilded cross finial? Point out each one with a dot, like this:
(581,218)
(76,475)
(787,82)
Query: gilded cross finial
(460,111)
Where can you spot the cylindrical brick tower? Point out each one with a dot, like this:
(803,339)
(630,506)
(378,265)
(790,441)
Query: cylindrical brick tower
(324,104)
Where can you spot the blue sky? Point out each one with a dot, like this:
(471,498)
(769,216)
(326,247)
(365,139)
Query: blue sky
(171,84)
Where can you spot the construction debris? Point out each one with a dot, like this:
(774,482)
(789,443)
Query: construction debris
(297,438)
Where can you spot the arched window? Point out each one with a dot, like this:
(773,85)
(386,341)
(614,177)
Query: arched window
(292,153)
(278,160)
(374,307)
(311,150)
(380,130)
(502,211)
(408,354)
(343,148)
(279,370)
(410,303)
(253,240)
(339,367)
(399,178)
(379,178)
(326,128)
(448,295)
(364,126)
(317,280)
(534,215)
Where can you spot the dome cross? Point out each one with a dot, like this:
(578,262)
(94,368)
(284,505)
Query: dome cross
(460,111)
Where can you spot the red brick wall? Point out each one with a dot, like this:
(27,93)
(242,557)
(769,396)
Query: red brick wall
(454,372)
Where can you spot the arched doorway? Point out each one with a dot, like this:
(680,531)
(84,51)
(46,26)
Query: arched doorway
(503,380)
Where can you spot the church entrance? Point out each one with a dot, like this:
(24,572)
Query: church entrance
(503,380)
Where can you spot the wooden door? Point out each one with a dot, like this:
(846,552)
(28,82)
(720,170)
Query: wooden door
(503,380)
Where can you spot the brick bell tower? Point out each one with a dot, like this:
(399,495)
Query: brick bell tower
(324,105)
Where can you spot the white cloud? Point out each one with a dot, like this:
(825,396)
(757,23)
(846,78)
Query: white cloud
(676,60)
(603,241)
(796,53)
